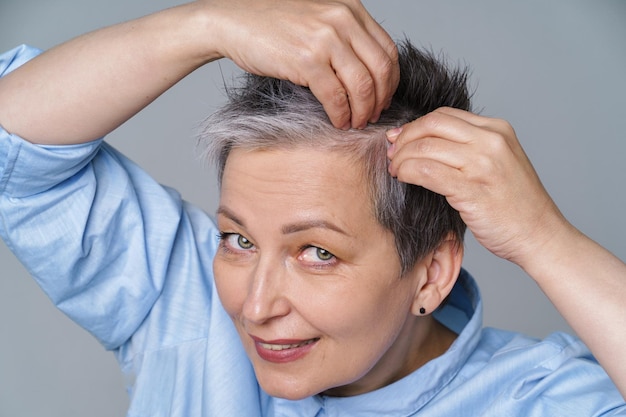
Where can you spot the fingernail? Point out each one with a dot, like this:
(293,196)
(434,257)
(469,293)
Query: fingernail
(394,133)
(347,126)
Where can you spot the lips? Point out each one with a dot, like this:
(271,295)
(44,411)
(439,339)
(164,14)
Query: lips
(284,350)
(271,346)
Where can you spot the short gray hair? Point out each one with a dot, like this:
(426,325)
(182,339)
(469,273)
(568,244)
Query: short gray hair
(264,113)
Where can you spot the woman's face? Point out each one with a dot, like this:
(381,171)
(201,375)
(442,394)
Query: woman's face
(309,277)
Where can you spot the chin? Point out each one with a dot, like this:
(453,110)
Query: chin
(292,393)
(288,390)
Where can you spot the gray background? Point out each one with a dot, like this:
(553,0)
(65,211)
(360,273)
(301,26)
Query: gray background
(555,69)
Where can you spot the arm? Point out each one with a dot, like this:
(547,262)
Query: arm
(479,165)
(103,78)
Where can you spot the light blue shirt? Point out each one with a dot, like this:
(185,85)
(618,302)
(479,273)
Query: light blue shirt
(130,261)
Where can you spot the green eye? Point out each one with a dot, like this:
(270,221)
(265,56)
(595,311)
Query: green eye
(235,242)
(243,242)
(324,255)
(316,257)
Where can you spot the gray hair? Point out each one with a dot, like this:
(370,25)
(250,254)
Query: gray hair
(264,113)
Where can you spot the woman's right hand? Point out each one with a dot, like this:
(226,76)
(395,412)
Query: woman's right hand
(88,86)
(333,47)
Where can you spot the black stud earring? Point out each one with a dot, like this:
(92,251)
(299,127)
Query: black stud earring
(422,310)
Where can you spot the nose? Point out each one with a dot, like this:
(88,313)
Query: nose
(266,298)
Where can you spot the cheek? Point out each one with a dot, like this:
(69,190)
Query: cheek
(360,329)
(360,316)
(230,287)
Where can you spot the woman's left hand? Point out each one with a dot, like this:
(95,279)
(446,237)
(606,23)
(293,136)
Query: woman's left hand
(478,164)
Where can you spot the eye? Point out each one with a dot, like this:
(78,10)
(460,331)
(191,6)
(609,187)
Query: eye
(323,254)
(243,243)
(235,241)
(316,256)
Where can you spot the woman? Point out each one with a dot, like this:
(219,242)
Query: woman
(309,218)
(151,297)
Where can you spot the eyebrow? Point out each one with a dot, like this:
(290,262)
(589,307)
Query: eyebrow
(311,224)
(288,228)
(227,213)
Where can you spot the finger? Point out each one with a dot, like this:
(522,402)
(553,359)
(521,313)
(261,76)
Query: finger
(358,82)
(464,115)
(447,152)
(379,53)
(374,49)
(494,124)
(384,72)
(433,175)
(330,91)
(434,124)
(388,69)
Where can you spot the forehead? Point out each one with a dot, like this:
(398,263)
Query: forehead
(299,168)
(295,183)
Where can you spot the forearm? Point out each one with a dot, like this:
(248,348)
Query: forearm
(587,284)
(86,87)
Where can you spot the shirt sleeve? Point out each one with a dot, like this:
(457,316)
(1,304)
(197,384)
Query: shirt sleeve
(16,57)
(100,236)
(557,376)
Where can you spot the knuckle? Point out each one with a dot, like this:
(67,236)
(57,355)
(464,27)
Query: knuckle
(423,147)
(485,164)
(334,16)
(504,128)
(487,169)
(336,105)
(390,68)
(414,173)
(333,98)
(431,121)
(386,72)
(363,85)
(496,143)
(392,50)
(325,35)
(340,13)
(426,170)
(308,57)
(320,36)
(339,97)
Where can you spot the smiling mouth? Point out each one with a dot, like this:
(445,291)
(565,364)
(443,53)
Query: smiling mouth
(271,346)
(283,351)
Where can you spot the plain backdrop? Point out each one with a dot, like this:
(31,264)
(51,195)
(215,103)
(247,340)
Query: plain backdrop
(555,69)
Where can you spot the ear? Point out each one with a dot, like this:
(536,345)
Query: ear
(442,267)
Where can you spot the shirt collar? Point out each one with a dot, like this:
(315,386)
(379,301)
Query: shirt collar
(463,314)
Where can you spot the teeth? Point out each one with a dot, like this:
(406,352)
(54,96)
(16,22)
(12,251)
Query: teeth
(283,347)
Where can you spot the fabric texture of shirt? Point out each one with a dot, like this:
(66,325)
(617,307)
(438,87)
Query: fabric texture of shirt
(131,262)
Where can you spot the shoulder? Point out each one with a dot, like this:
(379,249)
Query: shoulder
(556,375)
(556,345)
